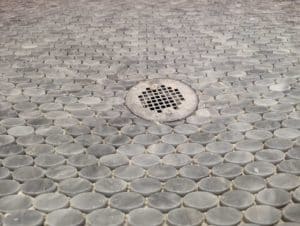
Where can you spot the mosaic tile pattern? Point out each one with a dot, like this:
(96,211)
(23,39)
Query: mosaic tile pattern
(72,154)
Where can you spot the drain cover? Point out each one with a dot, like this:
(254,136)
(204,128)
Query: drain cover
(162,100)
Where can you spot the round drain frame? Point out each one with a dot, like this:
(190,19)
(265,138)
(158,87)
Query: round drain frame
(162,100)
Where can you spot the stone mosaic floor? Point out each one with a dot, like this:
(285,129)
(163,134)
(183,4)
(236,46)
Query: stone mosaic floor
(72,154)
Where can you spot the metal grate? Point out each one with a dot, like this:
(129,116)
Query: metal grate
(161,98)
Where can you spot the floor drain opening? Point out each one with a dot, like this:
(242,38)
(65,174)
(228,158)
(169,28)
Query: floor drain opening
(161,100)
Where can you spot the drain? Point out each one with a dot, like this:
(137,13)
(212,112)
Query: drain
(161,100)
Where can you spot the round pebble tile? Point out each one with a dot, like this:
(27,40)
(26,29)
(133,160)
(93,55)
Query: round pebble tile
(185,216)
(260,168)
(11,203)
(94,172)
(145,216)
(74,186)
(162,172)
(238,157)
(194,172)
(208,159)
(270,155)
(66,217)
(164,201)
(202,201)
(82,160)
(202,138)
(70,149)
(18,131)
(278,143)
(262,215)
(190,149)
(126,201)
(131,150)
(273,197)
(24,218)
(219,147)
(61,172)
(291,213)
(249,145)
(106,217)
(10,149)
(113,161)
(237,199)
(291,166)
(17,161)
(161,149)
(284,181)
(180,186)
(230,136)
(38,186)
(27,173)
(8,187)
(49,160)
(258,134)
(129,172)
(176,160)
(6,139)
(110,186)
(249,183)
(223,216)
(99,150)
(216,185)
(88,201)
(50,201)
(145,160)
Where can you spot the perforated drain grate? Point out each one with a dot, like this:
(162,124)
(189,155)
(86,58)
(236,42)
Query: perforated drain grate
(161,100)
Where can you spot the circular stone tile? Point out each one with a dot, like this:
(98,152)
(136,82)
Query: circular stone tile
(249,183)
(113,161)
(239,157)
(173,139)
(262,215)
(296,195)
(145,160)
(208,159)
(129,172)
(61,172)
(39,149)
(106,217)
(18,131)
(88,201)
(49,160)
(284,181)
(223,216)
(17,161)
(216,185)
(259,134)
(159,129)
(117,140)
(82,160)
(24,218)
(66,217)
(38,186)
(190,149)
(110,186)
(186,129)
(237,199)
(133,130)
(164,201)
(145,217)
(202,201)
(145,186)
(6,139)
(294,153)
(249,145)
(74,186)
(95,172)
(180,186)
(70,149)
(131,150)
(4,173)
(230,136)
(161,149)
(202,138)
(287,133)
(162,172)
(291,166)
(14,202)
(227,170)
(50,201)
(270,155)
(185,216)
(99,150)
(219,147)
(10,149)
(146,139)
(273,197)
(29,140)
(291,213)
(194,172)
(260,168)
(126,201)
(8,187)
(278,143)
(26,173)
(176,160)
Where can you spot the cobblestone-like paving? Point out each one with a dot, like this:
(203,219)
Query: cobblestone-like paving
(72,154)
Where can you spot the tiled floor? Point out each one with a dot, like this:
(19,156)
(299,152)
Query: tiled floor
(72,153)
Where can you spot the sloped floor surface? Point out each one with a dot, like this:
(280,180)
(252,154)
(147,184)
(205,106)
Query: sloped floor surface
(72,153)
